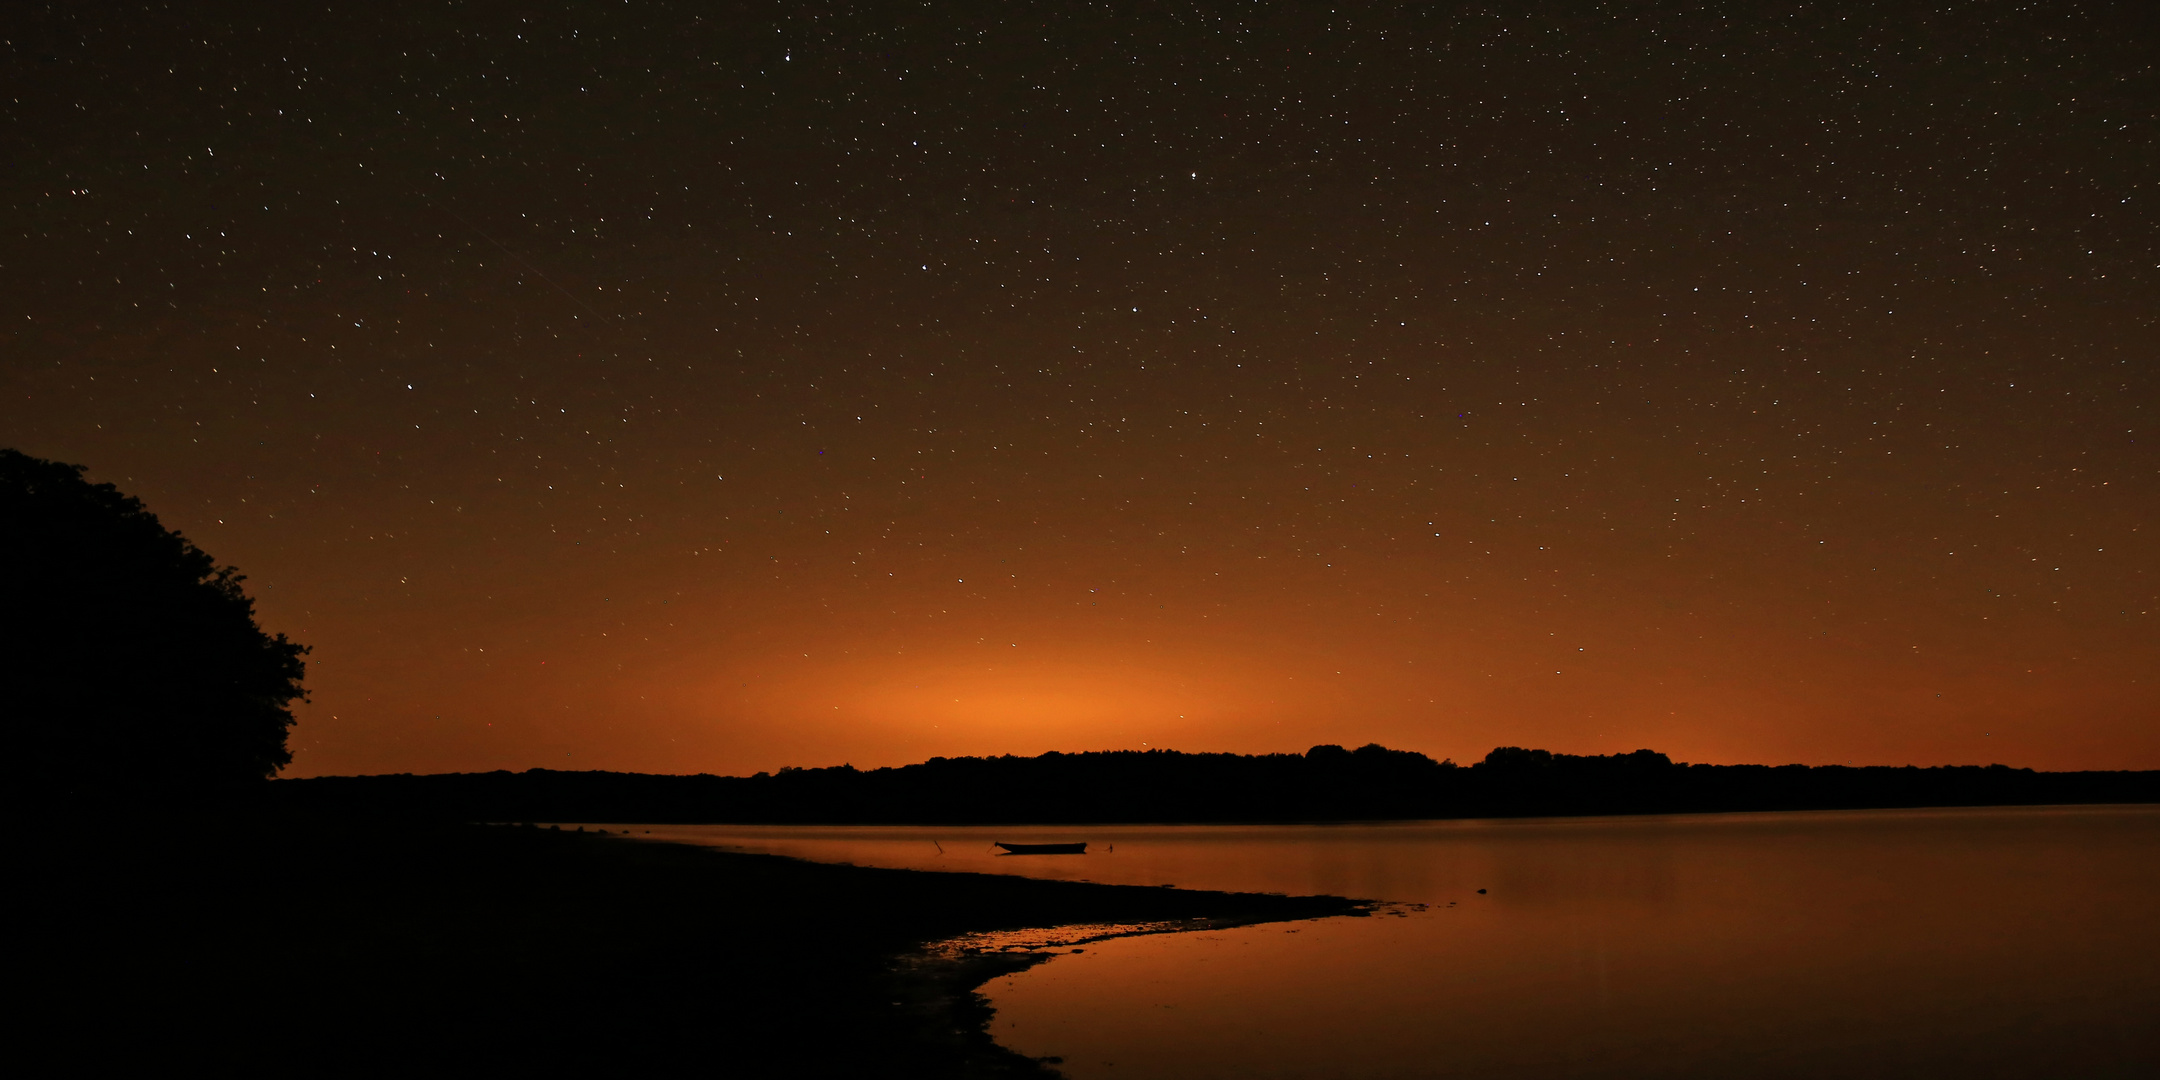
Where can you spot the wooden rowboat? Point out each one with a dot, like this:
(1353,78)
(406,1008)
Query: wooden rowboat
(1042,849)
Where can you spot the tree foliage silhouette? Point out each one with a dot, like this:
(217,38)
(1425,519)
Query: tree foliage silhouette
(131,663)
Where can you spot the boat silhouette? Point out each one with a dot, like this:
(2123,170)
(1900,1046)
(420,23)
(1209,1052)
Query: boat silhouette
(1042,849)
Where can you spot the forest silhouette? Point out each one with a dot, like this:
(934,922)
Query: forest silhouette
(1326,783)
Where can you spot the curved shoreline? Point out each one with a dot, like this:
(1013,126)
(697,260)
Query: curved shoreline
(938,985)
(369,946)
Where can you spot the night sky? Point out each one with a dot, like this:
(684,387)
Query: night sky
(703,387)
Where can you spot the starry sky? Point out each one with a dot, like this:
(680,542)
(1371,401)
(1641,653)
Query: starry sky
(705,387)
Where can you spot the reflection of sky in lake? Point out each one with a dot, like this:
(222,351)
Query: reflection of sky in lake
(1399,861)
(1986,942)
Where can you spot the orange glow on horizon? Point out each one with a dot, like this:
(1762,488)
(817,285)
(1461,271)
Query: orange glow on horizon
(1297,383)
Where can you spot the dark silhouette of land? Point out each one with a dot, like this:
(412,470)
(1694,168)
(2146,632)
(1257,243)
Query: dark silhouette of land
(356,946)
(1327,783)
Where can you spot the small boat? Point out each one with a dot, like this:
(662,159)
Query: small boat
(1042,849)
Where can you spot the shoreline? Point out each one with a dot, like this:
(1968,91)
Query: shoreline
(938,985)
(368,945)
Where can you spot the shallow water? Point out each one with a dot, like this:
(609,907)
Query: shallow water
(1970,943)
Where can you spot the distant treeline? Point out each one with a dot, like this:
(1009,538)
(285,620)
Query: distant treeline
(1326,783)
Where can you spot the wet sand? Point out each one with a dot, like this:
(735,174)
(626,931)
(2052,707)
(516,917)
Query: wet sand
(365,947)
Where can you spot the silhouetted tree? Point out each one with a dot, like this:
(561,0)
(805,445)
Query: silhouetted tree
(130,662)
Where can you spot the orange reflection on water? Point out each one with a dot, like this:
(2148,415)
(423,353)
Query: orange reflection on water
(1967,943)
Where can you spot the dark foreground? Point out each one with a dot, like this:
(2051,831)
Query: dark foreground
(368,947)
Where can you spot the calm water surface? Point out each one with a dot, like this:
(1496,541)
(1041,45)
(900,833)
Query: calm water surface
(1970,943)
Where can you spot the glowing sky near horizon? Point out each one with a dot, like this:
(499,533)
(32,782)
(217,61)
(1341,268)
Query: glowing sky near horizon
(649,387)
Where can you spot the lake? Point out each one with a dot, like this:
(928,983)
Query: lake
(1967,942)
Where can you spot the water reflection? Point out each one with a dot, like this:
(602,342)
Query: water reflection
(1918,943)
(1366,860)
